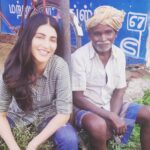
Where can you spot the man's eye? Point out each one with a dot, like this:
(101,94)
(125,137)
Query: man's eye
(96,33)
(109,32)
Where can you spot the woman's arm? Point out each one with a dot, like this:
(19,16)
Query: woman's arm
(6,134)
(58,121)
(63,104)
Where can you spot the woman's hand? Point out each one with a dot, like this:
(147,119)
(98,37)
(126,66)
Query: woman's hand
(55,123)
(32,145)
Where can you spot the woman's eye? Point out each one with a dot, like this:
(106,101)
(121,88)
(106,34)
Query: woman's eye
(39,37)
(54,40)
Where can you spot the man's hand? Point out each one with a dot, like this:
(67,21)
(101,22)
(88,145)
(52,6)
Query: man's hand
(117,123)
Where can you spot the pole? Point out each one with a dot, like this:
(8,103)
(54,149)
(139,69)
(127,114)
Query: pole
(65,5)
(65,50)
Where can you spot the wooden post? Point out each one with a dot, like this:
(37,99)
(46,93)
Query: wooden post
(64,5)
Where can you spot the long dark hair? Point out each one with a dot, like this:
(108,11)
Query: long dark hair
(19,69)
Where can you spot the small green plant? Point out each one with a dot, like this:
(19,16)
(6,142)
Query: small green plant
(23,136)
(146,98)
(133,144)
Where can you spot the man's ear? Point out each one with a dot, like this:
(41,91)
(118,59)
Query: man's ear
(89,33)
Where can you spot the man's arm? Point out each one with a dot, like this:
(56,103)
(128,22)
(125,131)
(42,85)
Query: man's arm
(80,101)
(118,93)
(117,100)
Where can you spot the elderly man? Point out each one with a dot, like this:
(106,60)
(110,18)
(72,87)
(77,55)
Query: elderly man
(99,82)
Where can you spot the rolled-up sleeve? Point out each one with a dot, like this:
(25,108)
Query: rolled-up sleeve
(63,89)
(5,96)
(78,73)
(122,72)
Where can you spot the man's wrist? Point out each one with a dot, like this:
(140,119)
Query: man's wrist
(111,116)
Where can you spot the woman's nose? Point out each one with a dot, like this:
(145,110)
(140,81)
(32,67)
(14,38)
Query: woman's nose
(46,43)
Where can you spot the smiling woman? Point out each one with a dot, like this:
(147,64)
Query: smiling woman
(35,87)
(43,45)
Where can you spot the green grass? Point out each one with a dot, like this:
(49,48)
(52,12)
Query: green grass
(133,144)
(23,136)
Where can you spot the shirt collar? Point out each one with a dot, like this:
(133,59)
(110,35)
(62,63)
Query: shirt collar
(48,66)
(92,52)
(114,54)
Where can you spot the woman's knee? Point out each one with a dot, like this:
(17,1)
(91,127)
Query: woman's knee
(66,137)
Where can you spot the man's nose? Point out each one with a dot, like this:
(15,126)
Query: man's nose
(103,37)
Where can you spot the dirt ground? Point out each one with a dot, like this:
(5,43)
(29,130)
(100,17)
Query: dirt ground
(138,81)
(6,44)
(138,78)
(4,50)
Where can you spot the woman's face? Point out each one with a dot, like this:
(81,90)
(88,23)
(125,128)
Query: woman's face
(44,44)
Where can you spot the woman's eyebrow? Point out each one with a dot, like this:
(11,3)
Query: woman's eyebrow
(40,33)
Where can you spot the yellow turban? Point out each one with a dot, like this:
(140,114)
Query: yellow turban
(106,15)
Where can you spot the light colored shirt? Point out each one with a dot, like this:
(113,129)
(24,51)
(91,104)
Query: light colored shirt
(96,81)
(51,95)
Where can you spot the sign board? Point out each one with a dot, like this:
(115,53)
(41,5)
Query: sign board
(132,38)
(12,12)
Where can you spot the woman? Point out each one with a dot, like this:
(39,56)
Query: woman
(35,87)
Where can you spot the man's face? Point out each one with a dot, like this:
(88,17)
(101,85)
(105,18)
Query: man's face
(102,37)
